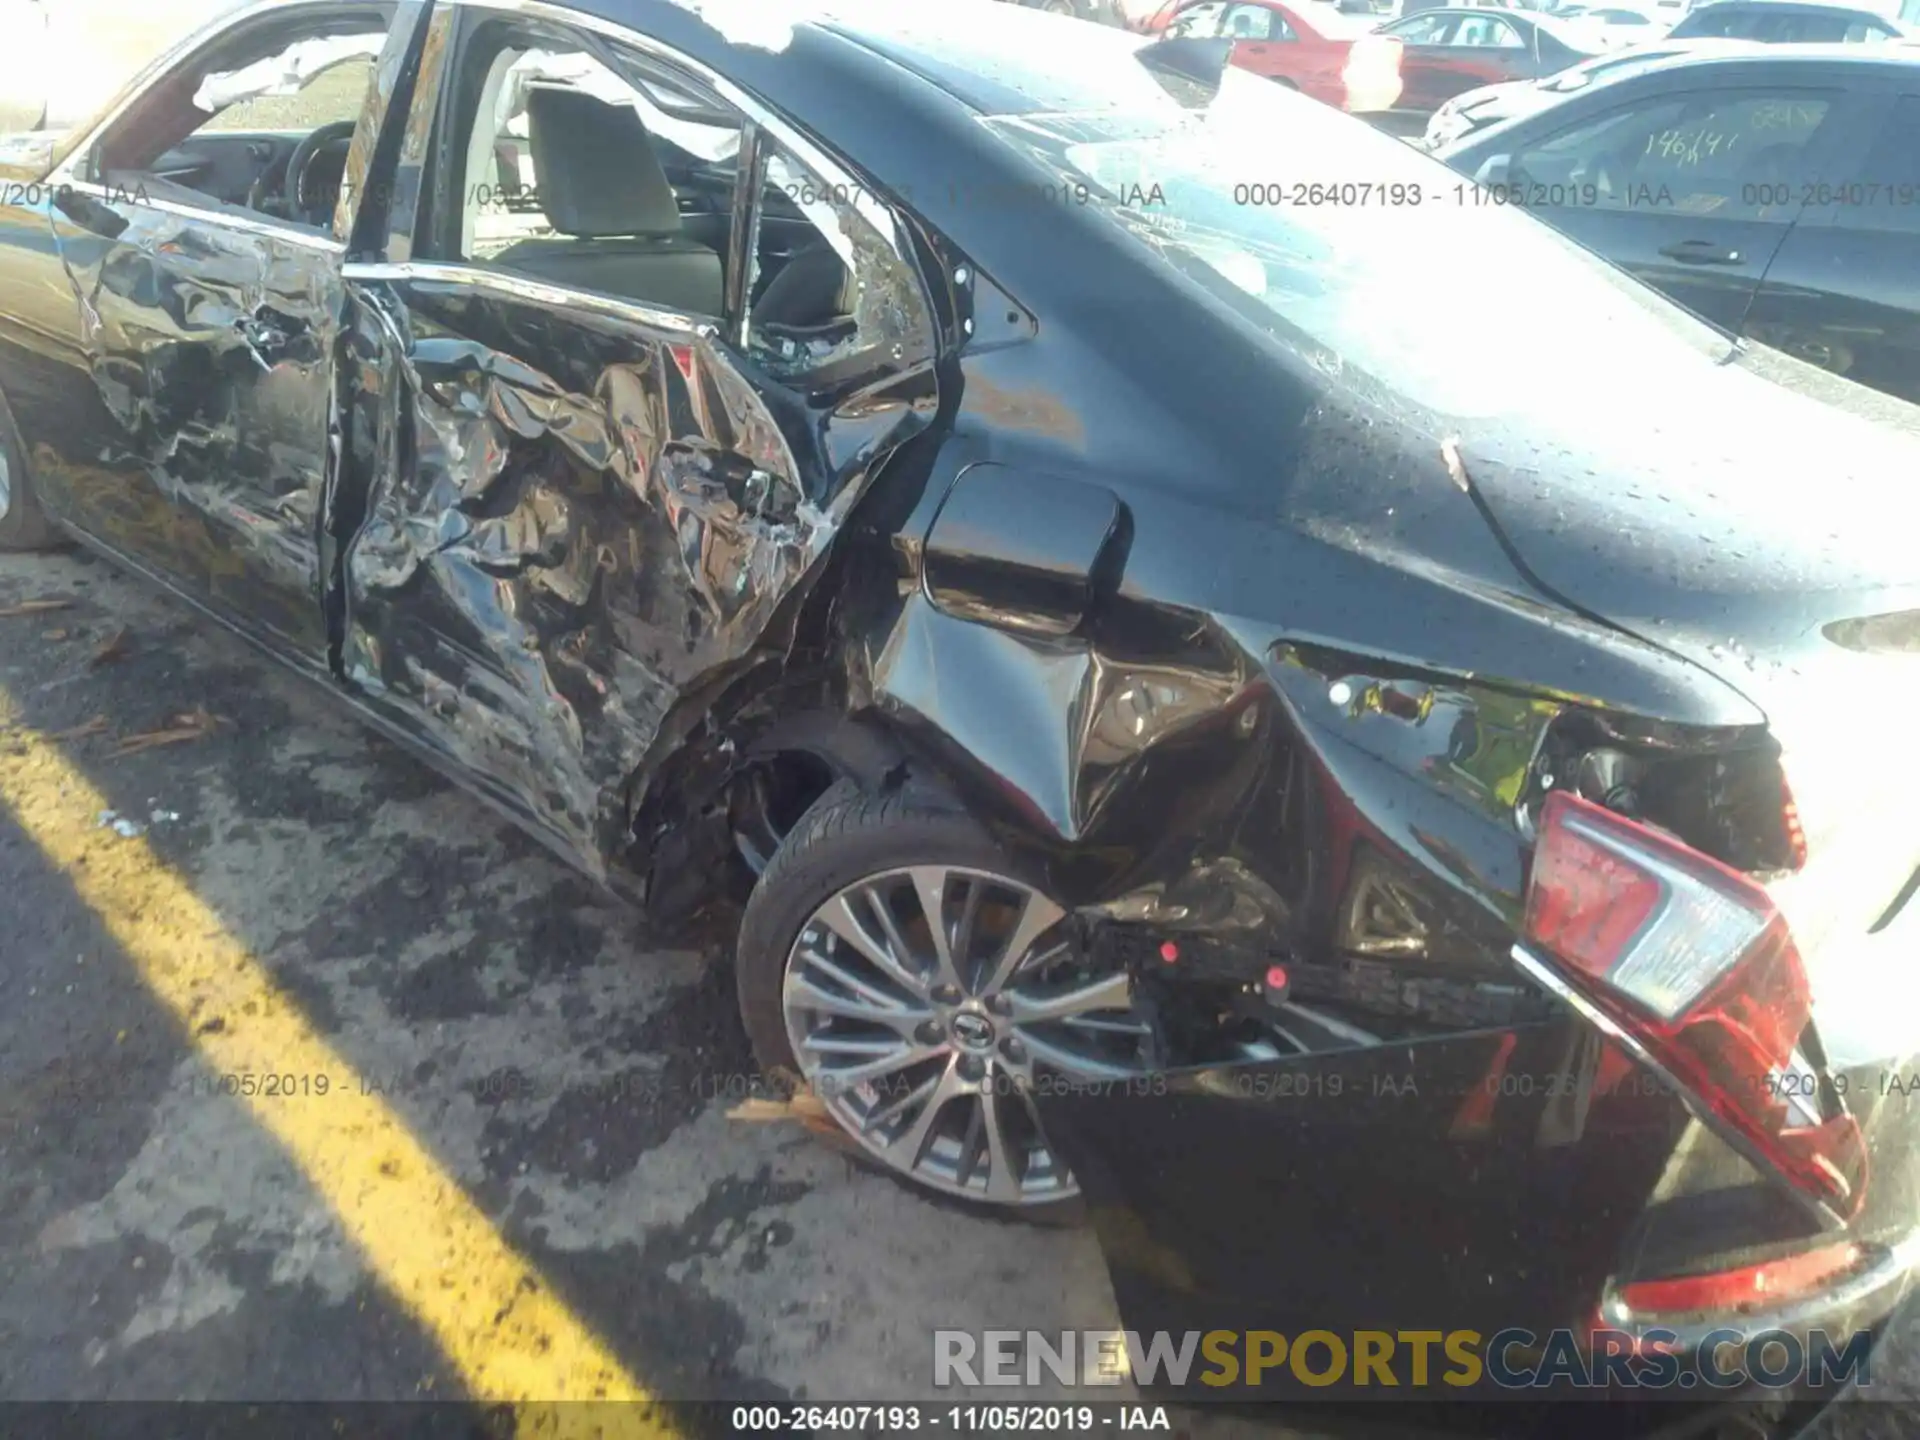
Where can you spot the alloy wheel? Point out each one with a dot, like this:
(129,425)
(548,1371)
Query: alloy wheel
(924,1006)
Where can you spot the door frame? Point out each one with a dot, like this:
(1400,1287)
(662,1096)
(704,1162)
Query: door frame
(384,258)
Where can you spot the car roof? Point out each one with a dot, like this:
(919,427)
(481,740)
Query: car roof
(995,58)
(1796,7)
(1898,57)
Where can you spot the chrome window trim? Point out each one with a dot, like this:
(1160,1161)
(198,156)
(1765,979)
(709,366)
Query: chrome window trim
(162,65)
(416,135)
(537,292)
(412,20)
(797,145)
(305,239)
(743,240)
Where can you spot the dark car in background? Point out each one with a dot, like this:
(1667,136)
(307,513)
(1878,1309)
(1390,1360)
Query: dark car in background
(1374,790)
(1774,191)
(1787,22)
(1404,71)
(1491,104)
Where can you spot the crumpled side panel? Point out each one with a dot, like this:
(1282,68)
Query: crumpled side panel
(582,522)
(208,352)
(1058,723)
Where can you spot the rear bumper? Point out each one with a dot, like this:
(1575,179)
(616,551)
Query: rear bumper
(1860,1301)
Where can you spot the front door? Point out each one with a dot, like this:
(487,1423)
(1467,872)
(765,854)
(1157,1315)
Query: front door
(198,233)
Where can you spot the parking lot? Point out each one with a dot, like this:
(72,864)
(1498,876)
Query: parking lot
(322,1082)
(547,1098)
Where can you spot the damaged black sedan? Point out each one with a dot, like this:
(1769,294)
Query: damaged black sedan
(1386,796)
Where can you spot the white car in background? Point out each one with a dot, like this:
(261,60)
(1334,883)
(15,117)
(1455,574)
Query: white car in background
(64,59)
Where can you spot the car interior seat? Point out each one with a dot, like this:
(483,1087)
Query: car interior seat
(615,218)
(812,290)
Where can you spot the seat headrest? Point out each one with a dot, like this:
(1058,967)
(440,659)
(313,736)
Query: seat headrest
(596,168)
(814,288)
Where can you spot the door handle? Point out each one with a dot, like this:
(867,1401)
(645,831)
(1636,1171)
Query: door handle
(89,214)
(1701,252)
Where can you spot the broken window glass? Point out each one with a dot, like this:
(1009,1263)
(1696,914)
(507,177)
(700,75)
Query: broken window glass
(833,292)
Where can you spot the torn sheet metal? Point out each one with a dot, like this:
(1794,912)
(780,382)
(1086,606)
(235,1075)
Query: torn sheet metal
(582,522)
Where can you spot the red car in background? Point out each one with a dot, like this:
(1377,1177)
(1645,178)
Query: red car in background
(1434,55)
(1394,74)
(1302,45)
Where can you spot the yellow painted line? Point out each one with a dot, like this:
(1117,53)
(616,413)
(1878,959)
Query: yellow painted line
(492,1314)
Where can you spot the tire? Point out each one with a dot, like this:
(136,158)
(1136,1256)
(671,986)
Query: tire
(23,524)
(859,839)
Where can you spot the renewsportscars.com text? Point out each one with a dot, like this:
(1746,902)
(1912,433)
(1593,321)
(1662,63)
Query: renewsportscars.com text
(1383,1360)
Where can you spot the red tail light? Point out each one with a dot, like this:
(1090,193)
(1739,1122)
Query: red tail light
(1695,965)
(1769,1282)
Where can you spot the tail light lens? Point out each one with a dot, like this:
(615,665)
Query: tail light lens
(1696,966)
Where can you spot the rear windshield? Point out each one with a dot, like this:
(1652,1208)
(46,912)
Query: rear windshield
(1351,245)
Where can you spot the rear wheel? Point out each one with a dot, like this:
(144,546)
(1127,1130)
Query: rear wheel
(923,982)
(23,524)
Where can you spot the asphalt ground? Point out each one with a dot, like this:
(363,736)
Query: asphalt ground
(524,1137)
(318,1082)
(485,1152)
